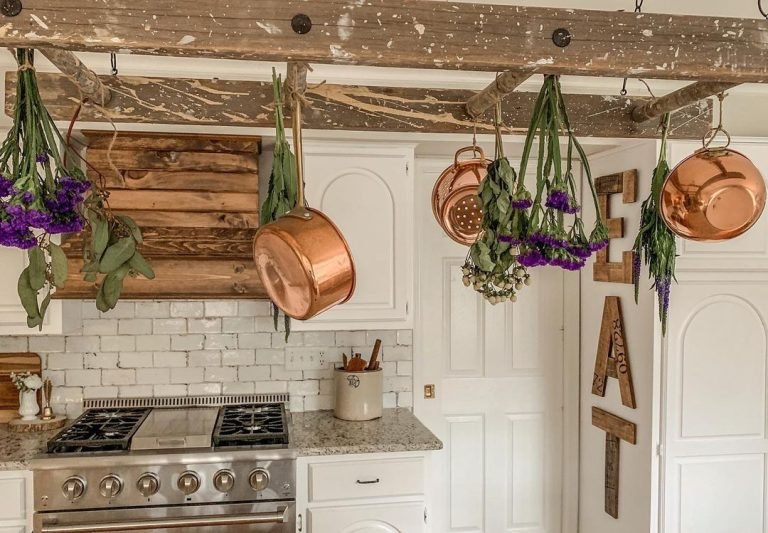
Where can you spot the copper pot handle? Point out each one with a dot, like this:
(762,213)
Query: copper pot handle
(474,149)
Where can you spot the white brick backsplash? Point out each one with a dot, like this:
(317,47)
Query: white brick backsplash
(47,344)
(153,309)
(135,360)
(88,309)
(118,343)
(254,340)
(204,325)
(238,357)
(135,326)
(169,325)
(118,377)
(95,326)
(153,343)
(220,308)
(187,342)
(187,309)
(204,358)
(238,325)
(165,348)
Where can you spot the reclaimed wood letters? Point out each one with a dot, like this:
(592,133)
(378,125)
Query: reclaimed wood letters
(626,184)
(612,359)
(616,429)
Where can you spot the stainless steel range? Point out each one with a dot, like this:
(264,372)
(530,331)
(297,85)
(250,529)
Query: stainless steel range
(193,465)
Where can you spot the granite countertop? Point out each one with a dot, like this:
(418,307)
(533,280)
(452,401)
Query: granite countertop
(311,433)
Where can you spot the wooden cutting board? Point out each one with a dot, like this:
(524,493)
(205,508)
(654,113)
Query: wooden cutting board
(9,395)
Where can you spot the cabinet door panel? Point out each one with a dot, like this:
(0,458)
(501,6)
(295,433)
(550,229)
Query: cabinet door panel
(384,518)
(13,503)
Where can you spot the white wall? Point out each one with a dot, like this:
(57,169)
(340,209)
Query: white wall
(639,320)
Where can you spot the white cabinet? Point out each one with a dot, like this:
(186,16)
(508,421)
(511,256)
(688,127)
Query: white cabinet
(367,190)
(62,316)
(370,493)
(15,501)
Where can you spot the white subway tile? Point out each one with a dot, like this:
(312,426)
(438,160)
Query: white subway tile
(221,374)
(319,338)
(317,403)
(325,374)
(186,375)
(153,343)
(304,388)
(89,310)
(405,337)
(390,400)
(346,339)
(221,308)
(204,325)
(56,377)
(71,410)
(254,340)
(297,403)
(405,368)
(405,399)
(153,376)
(238,357)
(327,387)
(398,384)
(118,343)
(238,325)
(187,309)
(237,388)
(170,390)
(64,361)
(135,360)
(169,359)
(387,337)
(389,367)
(219,341)
(169,325)
(153,309)
(270,357)
(253,308)
(82,344)
(204,358)
(123,309)
(90,393)
(280,373)
(83,378)
(135,391)
(100,326)
(270,387)
(187,342)
(46,343)
(278,339)
(14,344)
(118,377)
(100,360)
(253,373)
(397,353)
(196,389)
(62,395)
(135,326)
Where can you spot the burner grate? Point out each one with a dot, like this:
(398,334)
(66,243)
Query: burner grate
(99,430)
(251,425)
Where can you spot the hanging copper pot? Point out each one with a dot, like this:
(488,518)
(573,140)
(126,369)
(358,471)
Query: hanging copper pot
(455,203)
(713,195)
(302,258)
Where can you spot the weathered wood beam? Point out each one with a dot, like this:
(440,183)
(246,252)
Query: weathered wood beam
(505,83)
(339,107)
(406,33)
(679,98)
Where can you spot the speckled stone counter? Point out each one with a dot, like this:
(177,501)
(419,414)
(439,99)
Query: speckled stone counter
(398,430)
(16,449)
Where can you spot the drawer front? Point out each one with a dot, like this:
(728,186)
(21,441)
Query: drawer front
(13,500)
(395,518)
(13,529)
(345,480)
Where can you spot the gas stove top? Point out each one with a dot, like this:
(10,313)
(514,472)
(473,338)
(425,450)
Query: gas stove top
(99,430)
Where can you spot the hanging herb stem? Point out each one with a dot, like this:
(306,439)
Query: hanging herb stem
(655,242)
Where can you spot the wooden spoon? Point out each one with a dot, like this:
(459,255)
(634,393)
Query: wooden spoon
(356,364)
(374,355)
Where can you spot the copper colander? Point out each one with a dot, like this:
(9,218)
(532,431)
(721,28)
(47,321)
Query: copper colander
(455,203)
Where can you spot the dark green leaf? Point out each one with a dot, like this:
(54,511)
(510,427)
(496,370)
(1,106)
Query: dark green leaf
(93,266)
(59,265)
(140,265)
(44,307)
(117,254)
(135,230)
(100,238)
(27,294)
(90,277)
(37,267)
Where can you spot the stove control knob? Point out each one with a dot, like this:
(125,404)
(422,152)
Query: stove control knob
(224,480)
(110,486)
(188,482)
(148,484)
(73,488)
(259,479)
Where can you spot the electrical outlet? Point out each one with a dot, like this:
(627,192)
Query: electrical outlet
(305,359)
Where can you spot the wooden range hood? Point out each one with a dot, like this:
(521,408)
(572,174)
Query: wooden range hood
(196,199)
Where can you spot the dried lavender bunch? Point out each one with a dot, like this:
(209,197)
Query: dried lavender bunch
(655,243)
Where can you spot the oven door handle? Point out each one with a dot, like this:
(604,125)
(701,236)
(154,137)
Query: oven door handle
(153,525)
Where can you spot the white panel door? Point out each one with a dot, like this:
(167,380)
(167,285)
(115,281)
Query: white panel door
(498,372)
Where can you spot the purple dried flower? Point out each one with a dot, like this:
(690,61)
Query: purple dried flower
(511,239)
(596,246)
(28,197)
(532,258)
(6,187)
(42,157)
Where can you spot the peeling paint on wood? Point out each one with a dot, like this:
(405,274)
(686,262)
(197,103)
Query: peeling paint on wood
(406,33)
(339,107)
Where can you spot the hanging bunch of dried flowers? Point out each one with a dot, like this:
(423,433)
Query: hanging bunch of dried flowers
(41,196)
(555,234)
(655,242)
(492,266)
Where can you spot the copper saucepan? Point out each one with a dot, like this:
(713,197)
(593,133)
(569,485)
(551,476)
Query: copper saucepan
(302,258)
(713,195)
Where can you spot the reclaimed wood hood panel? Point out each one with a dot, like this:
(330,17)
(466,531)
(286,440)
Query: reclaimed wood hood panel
(196,198)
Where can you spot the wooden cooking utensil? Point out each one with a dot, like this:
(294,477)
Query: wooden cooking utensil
(356,364)
(374,355)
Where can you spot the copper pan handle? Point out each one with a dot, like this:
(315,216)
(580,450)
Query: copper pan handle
(474,149)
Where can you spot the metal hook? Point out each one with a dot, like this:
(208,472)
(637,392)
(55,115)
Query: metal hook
(712,133)
(113,62)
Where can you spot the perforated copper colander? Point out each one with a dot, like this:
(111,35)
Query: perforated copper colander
(455,203)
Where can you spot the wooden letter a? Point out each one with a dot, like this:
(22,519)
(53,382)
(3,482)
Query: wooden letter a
(612,358)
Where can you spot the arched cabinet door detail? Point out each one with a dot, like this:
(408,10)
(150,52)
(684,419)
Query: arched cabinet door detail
(372,526)
(406,517)
(367,191)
